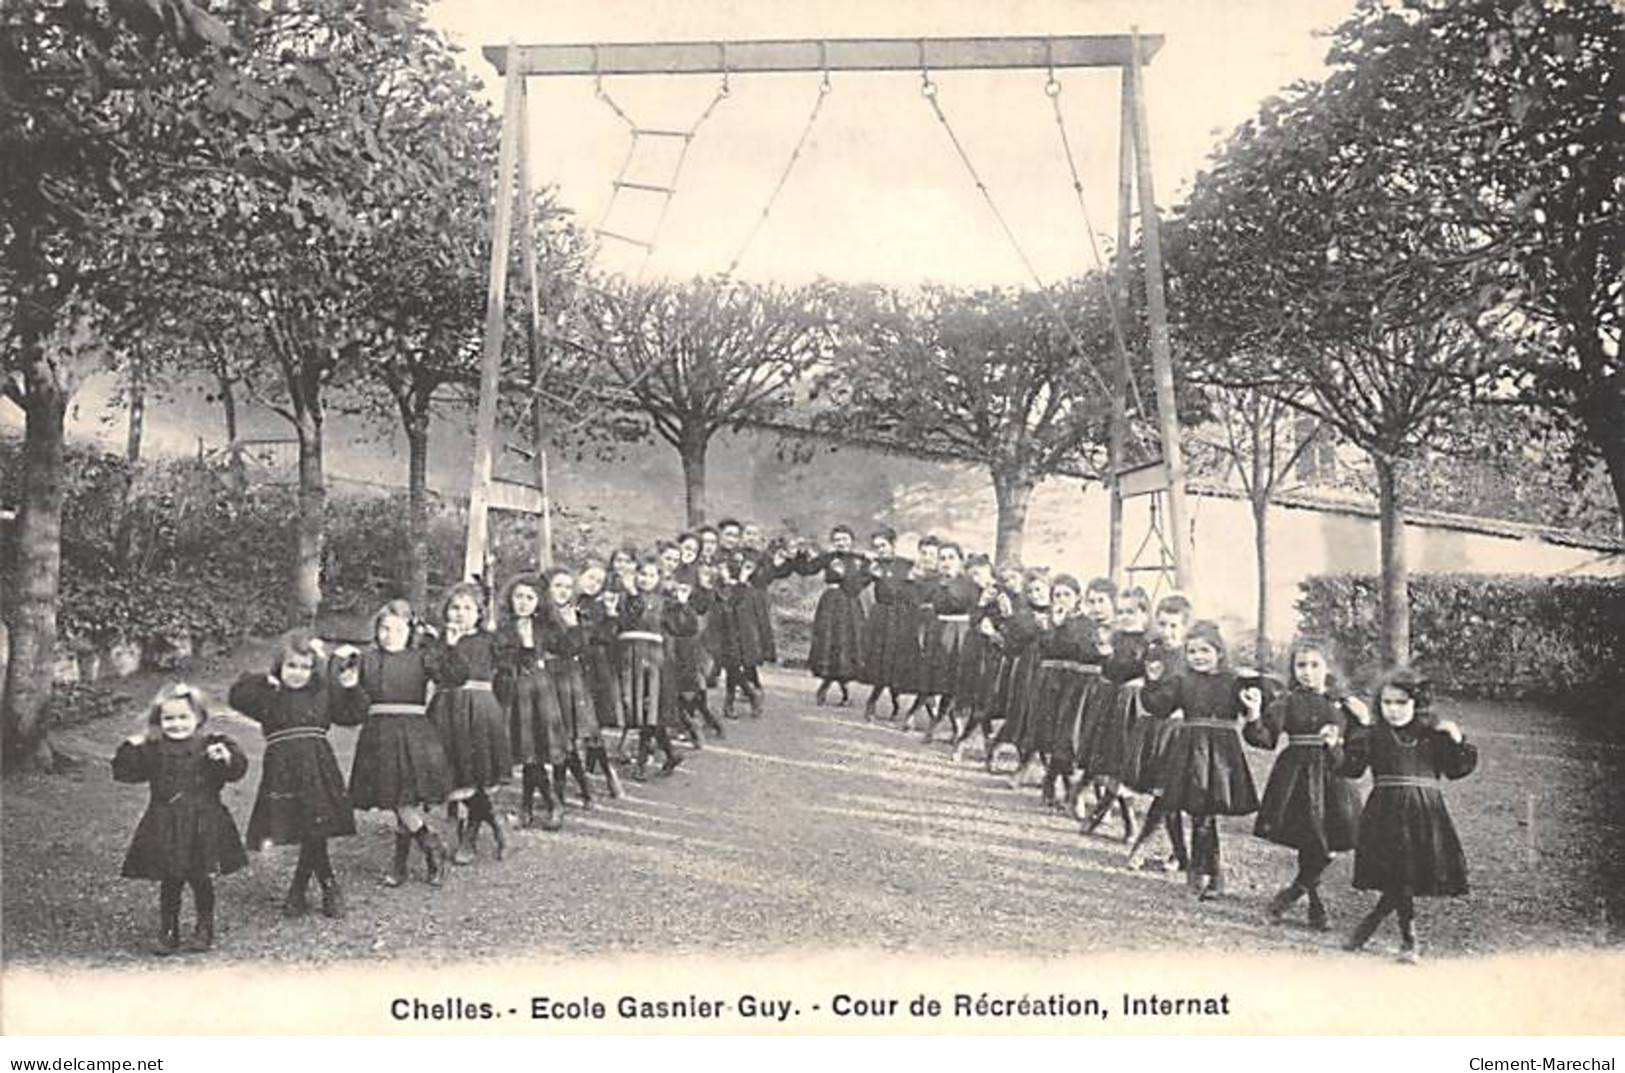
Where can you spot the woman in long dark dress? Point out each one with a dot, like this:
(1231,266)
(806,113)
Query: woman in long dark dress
(1205,773)
(1407,846)
(887,653)
(739,615)
(648,626)
(1307,805)
(837,640)
(301,800)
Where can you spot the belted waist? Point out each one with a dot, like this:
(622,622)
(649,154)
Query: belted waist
(1211,724)
(396,709)
(1305,739)
(1419,782)
(477,685)
(293,734)
(1070,665)
(953,618)
(642,635)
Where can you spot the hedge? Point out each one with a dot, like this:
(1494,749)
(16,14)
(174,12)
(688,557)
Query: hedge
(1484,635)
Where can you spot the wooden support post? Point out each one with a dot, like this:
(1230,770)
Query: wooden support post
(1120,370)
(538,420)
(496,296)
(1157,310)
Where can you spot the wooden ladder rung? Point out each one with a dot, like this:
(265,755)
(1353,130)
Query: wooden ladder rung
(651,187)
(656,132)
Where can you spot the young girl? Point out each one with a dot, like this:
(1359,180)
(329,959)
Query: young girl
(648,691)
(1151,735)
(837,650)
(1407,845)
(739,624)
(301,796)
(536,732)
(1100,608)
(1069,666)
(1017,639)
(978,660)
(922,585)
(566,642)
(1307,805)
(886,631)
(186,836)
(473,726)
(953,600)
(1104,750)
(400,764)
(603,679)
(1205,772)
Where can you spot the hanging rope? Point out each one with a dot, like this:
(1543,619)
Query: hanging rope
(928,89)
(789,165)
(1052,89)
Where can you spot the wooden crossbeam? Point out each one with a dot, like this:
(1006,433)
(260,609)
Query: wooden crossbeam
(515,496)
(837,54)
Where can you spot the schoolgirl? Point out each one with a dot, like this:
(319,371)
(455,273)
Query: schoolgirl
(473,726)
(186,837)
(1407,846)
(954,598)
(686,651)
(400,763)
(597,616)
(1070,659)
(647,688)
(837,648)
(1100,609)
(772,564)
(1151,735)
(567,639)
(922,623)
(887,643)
(1205,773)
(739,617)
(1103,750)
(301,799)
(1307,805)
(529,699)
(1016,742)
(979,660)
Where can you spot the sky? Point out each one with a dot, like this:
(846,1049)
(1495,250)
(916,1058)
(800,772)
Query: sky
(878,193)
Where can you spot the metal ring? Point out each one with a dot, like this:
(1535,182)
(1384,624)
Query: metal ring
(1052,87)
(928,88)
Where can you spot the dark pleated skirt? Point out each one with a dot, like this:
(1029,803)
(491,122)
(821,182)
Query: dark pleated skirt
(1206,773)
(1307,805)
(648,693)
(399,761)
(889,654)
(576,708)
(603,681)
(1145,754)
(189,837)
(1059,695)
(837,648)
(535,724)
(1107,724)
(301,795)
(944,647)
(1406,840)
(474,730)
(1016,693)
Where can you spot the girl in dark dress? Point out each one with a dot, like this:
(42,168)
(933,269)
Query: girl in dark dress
(1205,773)
(473,726)
(1017,639)
(301,797)
(1407,846)
(400,763)
(979,660)
(953,599)
(186,836)
(603,680)
(530,701)
(648,688)
(739,617)
(837,634)
(1069,665)
(1307,805)
(885,633)
(772,564)
(566,647)
(687,655)
(1099,607)
(921,622)
(1151,736)
(1103,751)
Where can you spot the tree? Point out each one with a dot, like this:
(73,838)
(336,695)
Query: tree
(88,116)
(1510,112)
(1342,293)
(991,376)
(694,358)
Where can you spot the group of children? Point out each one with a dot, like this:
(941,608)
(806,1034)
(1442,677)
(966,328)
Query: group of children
(447,716)
(1094,691)
(1079,685)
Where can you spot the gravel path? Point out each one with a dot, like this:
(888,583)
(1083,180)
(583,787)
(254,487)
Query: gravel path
(809,829)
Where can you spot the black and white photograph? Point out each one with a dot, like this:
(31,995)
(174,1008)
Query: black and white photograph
(1072,516)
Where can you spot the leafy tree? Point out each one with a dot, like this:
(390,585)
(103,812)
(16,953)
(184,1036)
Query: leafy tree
(696,357)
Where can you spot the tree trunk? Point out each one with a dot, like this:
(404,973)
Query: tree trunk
(307,569)
(1013,491)
(228,405)
(138,411)
(1602,414)
(1396,606)
(1261,557)
(417,497)
(692,450)
(39,569)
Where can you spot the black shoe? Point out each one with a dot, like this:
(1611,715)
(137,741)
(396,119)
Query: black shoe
(202,940)
(672,760)
(1283,900)
(822,695)
(434,851)
(1317,913)
(332,899)
(169,932)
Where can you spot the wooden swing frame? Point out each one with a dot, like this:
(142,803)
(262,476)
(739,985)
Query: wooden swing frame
(518,63)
